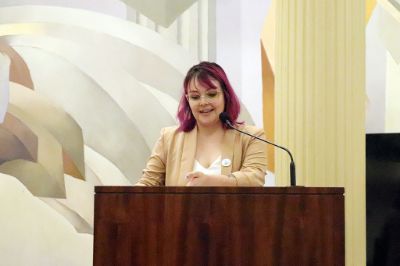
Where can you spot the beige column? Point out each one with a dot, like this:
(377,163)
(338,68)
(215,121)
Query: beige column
(320,102)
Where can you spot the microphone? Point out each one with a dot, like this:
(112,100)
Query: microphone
(225,119)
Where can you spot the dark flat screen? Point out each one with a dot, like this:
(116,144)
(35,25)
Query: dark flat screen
(383,199)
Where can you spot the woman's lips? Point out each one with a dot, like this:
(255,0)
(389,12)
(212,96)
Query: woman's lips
(206,111)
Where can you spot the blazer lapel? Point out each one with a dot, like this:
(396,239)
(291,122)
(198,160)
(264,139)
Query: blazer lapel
(227,152)
(188,153)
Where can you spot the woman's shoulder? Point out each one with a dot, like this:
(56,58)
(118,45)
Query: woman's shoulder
(172,132)
(169,131)
(172,136)
(251,129)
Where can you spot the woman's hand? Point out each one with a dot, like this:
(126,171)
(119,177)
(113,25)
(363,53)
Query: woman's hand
(198,179)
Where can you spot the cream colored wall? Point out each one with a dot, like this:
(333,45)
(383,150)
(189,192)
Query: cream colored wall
(320,103)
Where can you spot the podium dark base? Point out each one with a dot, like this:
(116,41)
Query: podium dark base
(218,226)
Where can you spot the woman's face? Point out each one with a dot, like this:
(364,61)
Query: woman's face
(206,103)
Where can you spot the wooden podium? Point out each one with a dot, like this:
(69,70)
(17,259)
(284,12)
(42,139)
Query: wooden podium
(218,226)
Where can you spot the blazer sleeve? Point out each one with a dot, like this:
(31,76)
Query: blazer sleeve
(254,162)
(154,173)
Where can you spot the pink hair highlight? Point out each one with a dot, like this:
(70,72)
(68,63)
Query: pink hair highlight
(205,73)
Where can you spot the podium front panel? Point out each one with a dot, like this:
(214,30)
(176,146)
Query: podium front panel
(218,226)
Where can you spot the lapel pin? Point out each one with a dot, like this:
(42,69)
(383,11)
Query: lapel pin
(226,162)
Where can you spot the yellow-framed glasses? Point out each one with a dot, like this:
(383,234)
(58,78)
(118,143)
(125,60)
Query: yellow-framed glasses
(210,95)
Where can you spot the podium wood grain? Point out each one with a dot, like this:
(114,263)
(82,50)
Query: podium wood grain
(218,226)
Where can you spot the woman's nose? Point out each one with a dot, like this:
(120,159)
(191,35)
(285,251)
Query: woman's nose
(203,100)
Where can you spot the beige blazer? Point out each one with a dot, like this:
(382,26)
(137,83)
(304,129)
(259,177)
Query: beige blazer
(173,157)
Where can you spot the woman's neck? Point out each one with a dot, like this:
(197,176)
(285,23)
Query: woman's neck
(208,131)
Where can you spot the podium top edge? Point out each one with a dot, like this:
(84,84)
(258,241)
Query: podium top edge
(221,190)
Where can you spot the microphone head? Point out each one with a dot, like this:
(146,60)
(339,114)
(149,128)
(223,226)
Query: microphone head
(225,119)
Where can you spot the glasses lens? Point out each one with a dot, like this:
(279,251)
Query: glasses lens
(210,95)
(194,97)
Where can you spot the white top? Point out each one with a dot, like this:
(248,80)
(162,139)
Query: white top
(213,169)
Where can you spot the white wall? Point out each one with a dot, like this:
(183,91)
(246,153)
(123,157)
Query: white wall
(383,70)
(251,56)
(375,75)
(238,49)
(228,44)
(392,121)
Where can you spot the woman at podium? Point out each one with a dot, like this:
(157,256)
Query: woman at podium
(202,150)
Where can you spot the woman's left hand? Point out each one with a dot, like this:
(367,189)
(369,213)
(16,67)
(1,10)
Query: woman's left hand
(197,179)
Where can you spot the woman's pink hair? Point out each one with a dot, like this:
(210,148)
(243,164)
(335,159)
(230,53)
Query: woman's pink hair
(205,73)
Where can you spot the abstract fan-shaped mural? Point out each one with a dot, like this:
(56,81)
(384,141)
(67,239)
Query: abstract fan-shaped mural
(83,98)
(161,12)
(4,90)
(85,87)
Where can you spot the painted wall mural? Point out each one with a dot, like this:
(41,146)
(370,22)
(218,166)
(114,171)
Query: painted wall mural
(83,97)
(85,87)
